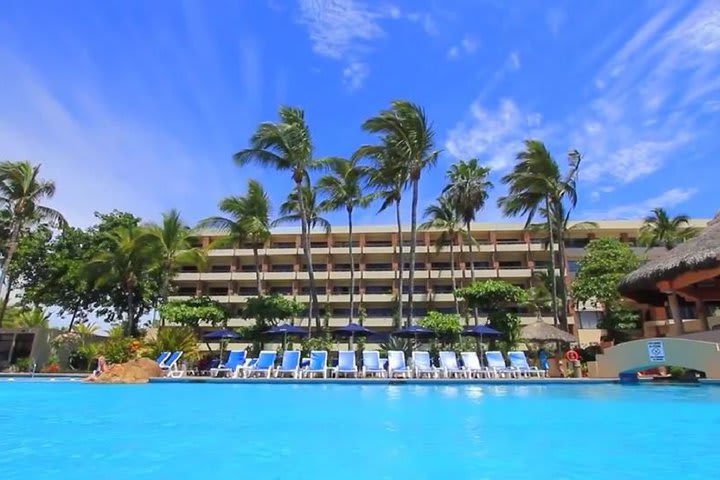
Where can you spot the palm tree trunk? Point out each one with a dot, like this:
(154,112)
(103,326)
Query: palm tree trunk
(313,311)
(352,264)
(413,244)
(257,269)
(472,265)
(74,315)
(452,275)
(401,268)
(563,316)
(131,312)
(6,299)
(12,247)
(552,263)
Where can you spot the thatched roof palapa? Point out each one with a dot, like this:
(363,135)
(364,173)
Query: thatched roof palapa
(544,332)
(699,253)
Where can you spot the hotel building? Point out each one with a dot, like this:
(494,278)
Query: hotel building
(503,251)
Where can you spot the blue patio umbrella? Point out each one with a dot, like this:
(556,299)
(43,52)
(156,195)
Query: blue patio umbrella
(480,331)
(221,336)
(414,331)
(352,330)
(285,330)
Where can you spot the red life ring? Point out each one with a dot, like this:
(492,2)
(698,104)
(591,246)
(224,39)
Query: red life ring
(572,356)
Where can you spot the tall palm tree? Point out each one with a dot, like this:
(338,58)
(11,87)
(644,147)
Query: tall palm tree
(536,185)
(443,216)
(387,176)
(468,187)
(21,192)
(343,187)
(661,230)
(173,239)
(287,145)
(248,220)
(290,213)
(405,127)
(129,258)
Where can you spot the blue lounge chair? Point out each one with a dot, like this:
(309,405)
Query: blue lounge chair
(449,365)
(290,364)
(496,364)
(371,364)
(396,364)
(170,366)
(471,364)
(346,364)
(264,364)
(422,365)
(318,364)
(518,361)
(160,360)
(236,359)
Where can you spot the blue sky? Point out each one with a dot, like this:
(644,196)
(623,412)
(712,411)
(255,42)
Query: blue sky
(139,105)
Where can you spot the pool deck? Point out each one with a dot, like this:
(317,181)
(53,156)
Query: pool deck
(388,381)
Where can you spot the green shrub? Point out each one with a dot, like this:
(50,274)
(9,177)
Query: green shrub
(117,349)
(173,339)
(319,342)
(23,364)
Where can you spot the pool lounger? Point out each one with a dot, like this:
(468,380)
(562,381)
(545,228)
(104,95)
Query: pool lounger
(263,366)
(236,359)
(290,364)
(471,362)
(318,364)
(160,360)
(449,366)
(422,365)
(497,366)
(518,361)
(170,367)
(371,364)
(346,364)
(397,366)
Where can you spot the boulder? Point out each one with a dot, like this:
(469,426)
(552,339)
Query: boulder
(134,371)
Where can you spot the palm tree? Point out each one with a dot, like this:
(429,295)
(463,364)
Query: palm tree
(536,185)
(344,190)
(128,259)
(290,212)
(388,176)
(468,190)
(443,216)
(287,145)
(173,238)
(661,230)
(406,129)
(248,220)
(21,192)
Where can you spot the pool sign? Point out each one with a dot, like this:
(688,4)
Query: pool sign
(656,351)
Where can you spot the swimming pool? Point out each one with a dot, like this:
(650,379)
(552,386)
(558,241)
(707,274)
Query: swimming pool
(65,430)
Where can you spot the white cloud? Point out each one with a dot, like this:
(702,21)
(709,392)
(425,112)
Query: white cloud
(667,199)
(493,136)
(467,46)
(555,20)
(514,61)
(425,20)
(355,74)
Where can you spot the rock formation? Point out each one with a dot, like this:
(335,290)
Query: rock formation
(134,371)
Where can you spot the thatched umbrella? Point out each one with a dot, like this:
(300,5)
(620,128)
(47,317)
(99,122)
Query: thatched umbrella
(544,332)
(698,253)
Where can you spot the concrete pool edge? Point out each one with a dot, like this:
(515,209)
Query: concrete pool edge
(386,381)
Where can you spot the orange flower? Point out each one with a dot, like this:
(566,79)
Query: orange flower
(135,345)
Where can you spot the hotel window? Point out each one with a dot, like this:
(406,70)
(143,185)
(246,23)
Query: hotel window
(542,264)
(418,266)
(216,291)
(573,266)
(512,264)
(450,310)
(346,244)
(416,289)
(482,265)
(577,242)
(443,289)
(344,267)
(379,312)
(319,290)
(341,312)
(220,268)
(247,291)
(337,290)
(378,243)
(378,289)
(282,268)
(248,268)
(281,290)
(283,245)
(318,244)
(408,242)
(378,267)
(186,291)
(188,269)
(440,266)
(317,267)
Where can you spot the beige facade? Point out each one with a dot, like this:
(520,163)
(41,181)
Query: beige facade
(503,250)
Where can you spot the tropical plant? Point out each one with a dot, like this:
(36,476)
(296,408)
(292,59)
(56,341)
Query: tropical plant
(117,349)
(343,189)
(129,258)
(492,295)
(538,299)
(444,216)
(405,345)
(405,128)
(661,230)
(173,339)
(268,310)
(287,145)
(446,326)
(173,239)
(508,324)
(21,192)
(536,185)
(387,177)
(467,188)
(248,220)
(191,312)
(323,341)
(33,318)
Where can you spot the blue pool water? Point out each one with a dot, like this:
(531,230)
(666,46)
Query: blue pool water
(69,430)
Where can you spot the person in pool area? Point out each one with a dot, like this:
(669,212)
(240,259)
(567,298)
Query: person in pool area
(102,367)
